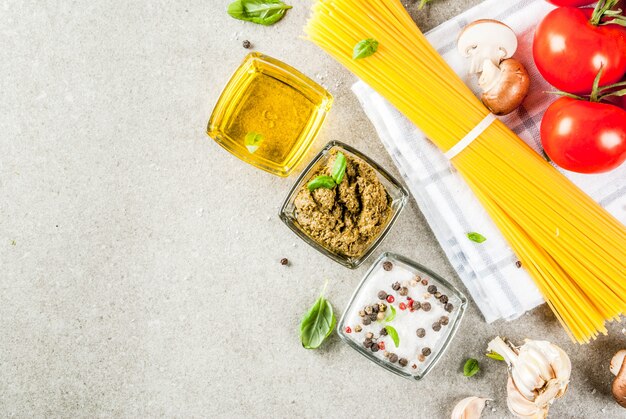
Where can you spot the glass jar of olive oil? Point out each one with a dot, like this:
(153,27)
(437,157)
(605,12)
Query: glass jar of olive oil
(269,114)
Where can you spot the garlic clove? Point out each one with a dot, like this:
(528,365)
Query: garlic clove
(519,405)
(469,408)
(539,373)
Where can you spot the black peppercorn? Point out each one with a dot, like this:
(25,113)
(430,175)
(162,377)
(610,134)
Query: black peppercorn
(246,44)
(426,351)
(443,299)
(436,326)
(366,320)
(395,286)
(387,266)
(403,362)
(421,332)
(426,306)
(449,307)
(415,305)
(375,308)
(404,291)
(284,261)
(382,295)
(444,320)
(368,343)
(383,331)
(373,317)
(393,358)
(432,289)
(374,347)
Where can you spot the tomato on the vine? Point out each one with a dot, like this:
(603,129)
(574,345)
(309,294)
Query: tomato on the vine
(584,136)
(571,46)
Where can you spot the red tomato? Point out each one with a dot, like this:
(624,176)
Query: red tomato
(569,51)
(572,3)
(584,137)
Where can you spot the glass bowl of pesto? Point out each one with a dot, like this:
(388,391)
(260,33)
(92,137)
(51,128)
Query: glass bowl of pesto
(343,216)
(269,114)
(402,316)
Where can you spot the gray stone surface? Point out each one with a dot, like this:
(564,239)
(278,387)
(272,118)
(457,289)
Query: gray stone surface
(139,262)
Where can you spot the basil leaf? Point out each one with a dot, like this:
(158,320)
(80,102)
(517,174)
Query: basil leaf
(252,141)
(263,12)
(476,237)
(317,324)
(471,367)
(321,182)
(494,355)
(339,168)
(392,315)
(394,335)
(364,48)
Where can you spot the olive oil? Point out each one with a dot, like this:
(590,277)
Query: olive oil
(274,104)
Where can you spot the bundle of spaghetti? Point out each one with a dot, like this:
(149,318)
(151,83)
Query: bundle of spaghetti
(574,250)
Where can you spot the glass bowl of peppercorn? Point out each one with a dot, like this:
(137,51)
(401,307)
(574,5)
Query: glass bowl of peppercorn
(402,316)
(343,204)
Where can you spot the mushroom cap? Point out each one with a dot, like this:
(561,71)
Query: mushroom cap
(507,86)
(486,39)
(618,368)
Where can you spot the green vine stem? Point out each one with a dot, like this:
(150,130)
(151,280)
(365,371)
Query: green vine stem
(604,9)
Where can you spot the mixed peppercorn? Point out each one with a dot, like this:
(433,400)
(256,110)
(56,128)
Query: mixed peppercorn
(379,310)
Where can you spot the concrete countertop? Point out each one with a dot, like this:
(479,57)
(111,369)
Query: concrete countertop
(140,272)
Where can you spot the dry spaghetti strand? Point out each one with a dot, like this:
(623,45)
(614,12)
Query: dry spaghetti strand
(574,250)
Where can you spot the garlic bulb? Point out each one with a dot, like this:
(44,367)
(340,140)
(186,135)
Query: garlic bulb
(539,373)
(469,408)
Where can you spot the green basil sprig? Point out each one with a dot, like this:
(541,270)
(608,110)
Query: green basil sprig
(337,174)
(494,355)
(263,12)
(364,48)
(471,367)
(321,182)
(394,335)
(339,168)
(318,323)
(476,237)
(252,141)
(391,315)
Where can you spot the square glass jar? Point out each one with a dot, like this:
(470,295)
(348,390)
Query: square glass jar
(397,194)
(388,269)
(268,99)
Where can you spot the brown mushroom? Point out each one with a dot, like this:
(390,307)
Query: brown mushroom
(618,368)
(504,87)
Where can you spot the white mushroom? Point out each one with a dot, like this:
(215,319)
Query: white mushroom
(489,46)
(504,87)
(618,369)
(486,39)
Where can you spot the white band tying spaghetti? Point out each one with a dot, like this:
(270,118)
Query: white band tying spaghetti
(471,136)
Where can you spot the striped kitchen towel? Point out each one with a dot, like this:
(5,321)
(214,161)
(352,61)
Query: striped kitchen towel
(499,288)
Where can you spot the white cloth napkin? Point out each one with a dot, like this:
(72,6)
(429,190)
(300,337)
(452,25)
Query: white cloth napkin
(488,270)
